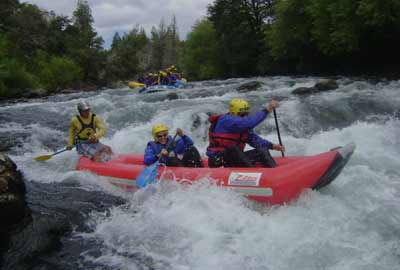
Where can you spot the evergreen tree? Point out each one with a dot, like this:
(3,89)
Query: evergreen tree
(124,59)
(86,47)
(7,9)
(116,40)
(158,46)
(172,45)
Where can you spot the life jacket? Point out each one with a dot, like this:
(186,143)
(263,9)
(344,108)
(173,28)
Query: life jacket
(86,129)
(220,141)
(157,147)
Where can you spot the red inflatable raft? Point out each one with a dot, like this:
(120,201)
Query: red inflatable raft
(272,185)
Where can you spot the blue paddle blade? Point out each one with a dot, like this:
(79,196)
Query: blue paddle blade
(148,175)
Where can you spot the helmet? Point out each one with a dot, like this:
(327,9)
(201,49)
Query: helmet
(83,106)
(163,73)
(171,68)
(238,105)
(158,128)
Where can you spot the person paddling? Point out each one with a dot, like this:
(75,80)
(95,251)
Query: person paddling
(179,153)
(229,133)
(85,130)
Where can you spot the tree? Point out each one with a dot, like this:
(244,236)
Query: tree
(57,36)
(201,60)
(172,45)
(290,35)
(158,45)
(85,47)
(7,9)
(124,60)
(27,30)
(319,34)
(239,25)
(166,48)
(116,40)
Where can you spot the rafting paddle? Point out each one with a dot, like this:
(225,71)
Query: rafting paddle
(149,174)
(47,157)
(277,130)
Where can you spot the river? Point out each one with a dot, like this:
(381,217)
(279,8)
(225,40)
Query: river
(80,221)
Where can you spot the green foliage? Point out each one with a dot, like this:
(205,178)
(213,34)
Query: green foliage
(289,33)
(7,9)
(84,46)
(238,38)
(57,35)
(379,13)
(201,54)
(165,47)
(57,73)
(14,78)
(239,25)
(27,31)
(124,59)
(335,30)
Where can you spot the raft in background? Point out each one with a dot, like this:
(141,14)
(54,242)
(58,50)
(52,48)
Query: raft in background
(133,85)
(158,87)
(272,185)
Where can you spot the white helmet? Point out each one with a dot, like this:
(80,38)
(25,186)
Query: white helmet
(83,106)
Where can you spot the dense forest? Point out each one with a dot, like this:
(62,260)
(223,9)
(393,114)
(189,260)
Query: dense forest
(46,52)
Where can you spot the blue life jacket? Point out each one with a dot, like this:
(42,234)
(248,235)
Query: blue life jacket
(176,148)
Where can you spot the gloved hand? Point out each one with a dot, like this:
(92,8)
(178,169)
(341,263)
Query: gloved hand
(69,147)
(273,104)
(278,147)
(93,138)
(180,132)
(163,152)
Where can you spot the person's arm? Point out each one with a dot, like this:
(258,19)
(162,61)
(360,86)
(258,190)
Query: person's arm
(236,124)
(187,140)
(258,142)
(149,156)
(183,143)
(100,127)
(241,124)
(72,131)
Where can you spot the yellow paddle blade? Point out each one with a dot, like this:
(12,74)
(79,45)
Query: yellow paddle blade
(43,158)
(136,85)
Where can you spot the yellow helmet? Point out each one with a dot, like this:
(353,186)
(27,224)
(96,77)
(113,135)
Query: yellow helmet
(238,105)
(157,129)
(163,73)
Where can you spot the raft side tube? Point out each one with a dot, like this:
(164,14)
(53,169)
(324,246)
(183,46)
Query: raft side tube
(342,157)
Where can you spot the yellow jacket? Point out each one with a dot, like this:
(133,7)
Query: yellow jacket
(75,128)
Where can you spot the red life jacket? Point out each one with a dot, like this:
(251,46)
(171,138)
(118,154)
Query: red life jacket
(220,141)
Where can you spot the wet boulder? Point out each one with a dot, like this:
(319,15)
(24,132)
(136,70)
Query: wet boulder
(172,96)
(249,86)
(321,86)
(326,85)
(12,194)
(304,91)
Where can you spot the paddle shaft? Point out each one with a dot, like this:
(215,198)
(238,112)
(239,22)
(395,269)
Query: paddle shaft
(169,144)
(58,152)
(277,130)
(47,157)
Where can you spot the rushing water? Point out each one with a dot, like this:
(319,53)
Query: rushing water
(80,221)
